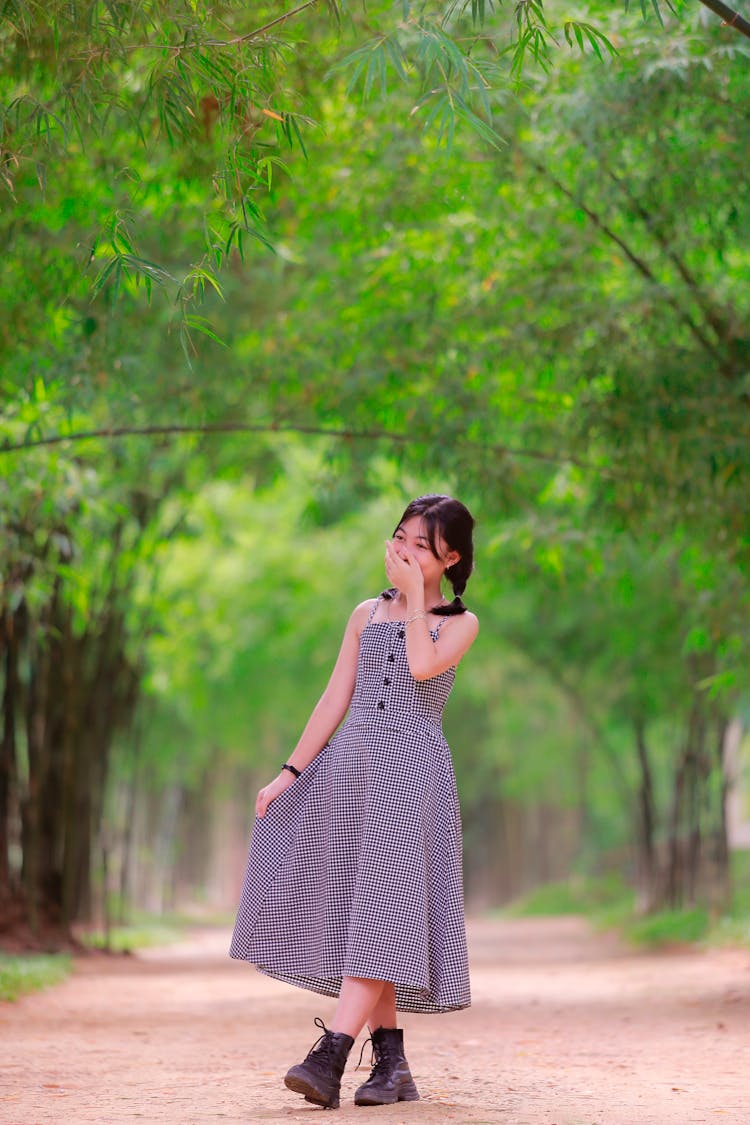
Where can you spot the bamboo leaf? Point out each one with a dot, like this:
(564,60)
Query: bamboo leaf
(294,123)
(202,325)
(205,277)
(104,274)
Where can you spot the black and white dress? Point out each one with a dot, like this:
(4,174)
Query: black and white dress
(355,870)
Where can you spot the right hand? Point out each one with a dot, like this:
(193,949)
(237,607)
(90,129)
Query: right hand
(270,792)
(402,570)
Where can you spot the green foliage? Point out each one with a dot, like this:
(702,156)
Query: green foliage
(204,101)
(251,615)
(31,972)
(577,895)
(669,927)
(553,326)
(183,126)
(610,904)
(141,935)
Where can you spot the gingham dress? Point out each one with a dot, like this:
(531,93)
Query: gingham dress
(355,870)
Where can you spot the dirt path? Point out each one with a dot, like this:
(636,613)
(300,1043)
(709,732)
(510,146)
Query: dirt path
(567,1028)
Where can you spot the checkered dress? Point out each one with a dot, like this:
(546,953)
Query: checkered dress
(355,870)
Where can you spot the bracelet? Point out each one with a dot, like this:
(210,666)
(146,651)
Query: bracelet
(419,615)
(292,769)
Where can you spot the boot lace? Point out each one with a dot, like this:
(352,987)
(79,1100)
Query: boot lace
(361,1053)
(323,1044)
(379,1058)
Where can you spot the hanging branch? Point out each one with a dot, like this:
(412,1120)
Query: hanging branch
(183,47)
(638,262)
(110,432)
(258,31)
(729,16)
(712,315)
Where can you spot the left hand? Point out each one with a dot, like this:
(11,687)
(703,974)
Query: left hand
(270,792)
(402,570)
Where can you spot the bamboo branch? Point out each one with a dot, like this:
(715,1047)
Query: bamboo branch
(167,429)
(640,265)
(262,30)
(102,52)
(729,16)
(711,313)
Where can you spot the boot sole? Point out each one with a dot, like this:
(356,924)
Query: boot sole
(407,1094)
(308,1091)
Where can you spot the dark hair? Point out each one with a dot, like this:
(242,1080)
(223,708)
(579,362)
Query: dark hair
(447,519)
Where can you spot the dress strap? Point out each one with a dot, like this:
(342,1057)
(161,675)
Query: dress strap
(374,608)
(440,624)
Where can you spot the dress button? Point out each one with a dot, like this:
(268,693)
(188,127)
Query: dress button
(381,705)
(391,657)
(401,633)
(387,682)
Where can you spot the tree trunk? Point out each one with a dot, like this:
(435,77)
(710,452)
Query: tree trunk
(697,870)
(674,891)
(719,887)
(647,865)
(129,829)
(52,776)
(70,734)
(36,715)
(8,762)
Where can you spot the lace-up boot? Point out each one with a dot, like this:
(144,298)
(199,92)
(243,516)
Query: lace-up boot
(319,1076)
(390,1080)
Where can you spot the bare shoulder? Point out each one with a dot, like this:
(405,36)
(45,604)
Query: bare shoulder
(472,620)
(467,624)
(458,635)
(360,614)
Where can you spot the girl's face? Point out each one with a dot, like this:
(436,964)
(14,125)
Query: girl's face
(411,539)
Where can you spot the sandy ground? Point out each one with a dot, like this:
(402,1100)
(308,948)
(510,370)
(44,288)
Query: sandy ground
(567,1028)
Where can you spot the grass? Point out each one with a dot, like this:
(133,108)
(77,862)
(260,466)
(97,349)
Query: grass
(144,930)
(125,939)
(29,972)
(609,903)
(731,930)
(669,927)
(606,895)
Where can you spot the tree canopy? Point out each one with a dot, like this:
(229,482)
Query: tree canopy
(267,275)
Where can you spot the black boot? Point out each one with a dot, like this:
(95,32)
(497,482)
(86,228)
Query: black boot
(319,1076)
(390,1080)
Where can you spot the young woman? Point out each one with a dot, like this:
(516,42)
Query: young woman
(353,886)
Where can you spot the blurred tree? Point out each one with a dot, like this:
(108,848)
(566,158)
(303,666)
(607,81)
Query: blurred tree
(554,326)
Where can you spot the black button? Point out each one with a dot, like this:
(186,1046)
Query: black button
(381,705)
(391,657)
(387,682)
(401,633)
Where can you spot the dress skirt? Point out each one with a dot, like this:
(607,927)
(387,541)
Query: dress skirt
(355,870)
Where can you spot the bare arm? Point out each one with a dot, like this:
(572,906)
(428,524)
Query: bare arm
(427,658)
(327,713)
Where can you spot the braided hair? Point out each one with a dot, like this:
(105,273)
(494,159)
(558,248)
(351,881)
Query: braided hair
(447,519)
